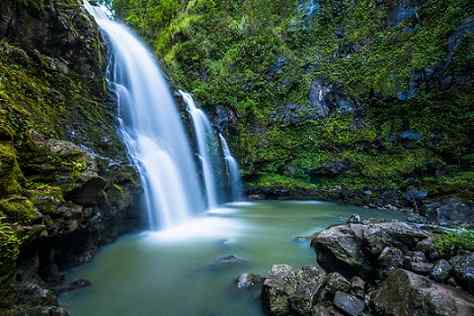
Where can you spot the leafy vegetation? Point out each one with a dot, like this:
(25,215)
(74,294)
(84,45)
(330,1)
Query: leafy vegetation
(254,57)
(449,244)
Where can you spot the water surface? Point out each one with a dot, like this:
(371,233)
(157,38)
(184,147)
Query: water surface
(169,273)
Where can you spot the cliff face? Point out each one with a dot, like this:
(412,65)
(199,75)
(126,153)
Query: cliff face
(363,101)
(66,185)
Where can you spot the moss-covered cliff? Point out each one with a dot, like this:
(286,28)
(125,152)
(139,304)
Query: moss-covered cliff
(365,101)
(65,183)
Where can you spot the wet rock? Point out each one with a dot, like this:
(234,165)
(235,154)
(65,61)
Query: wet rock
(351,248)
(463,269)
(227,262)
(349,304)
(354,219)
(90,193)
(318,97)
(248,281)
(441,271)
(405,293)
(73,286)
(291,292)
(451,211)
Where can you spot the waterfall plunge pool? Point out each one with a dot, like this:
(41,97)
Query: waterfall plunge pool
(171,272)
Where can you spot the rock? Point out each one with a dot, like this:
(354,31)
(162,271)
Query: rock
(321,310)
(349,304)
(248,281)
(414,195)
(402,10)
(354,219)
(441,271)
(351,249)
(390,259)
(293,114)
(334,282)
(227,262)
(288,292)
(90,193)
(416,261)
(405,293)
(73,286)
(455,39)
(318,97)
(277,67)
(358,286)
(332,169)
(463,269)
(451,211)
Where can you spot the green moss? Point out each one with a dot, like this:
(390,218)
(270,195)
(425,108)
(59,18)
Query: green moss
(449,244)
(225,52)
(9,249)
(18,209)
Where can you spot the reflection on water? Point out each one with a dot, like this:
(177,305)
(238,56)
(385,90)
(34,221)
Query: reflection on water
(170,273)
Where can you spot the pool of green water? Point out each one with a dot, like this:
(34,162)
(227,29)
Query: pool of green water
(170,273)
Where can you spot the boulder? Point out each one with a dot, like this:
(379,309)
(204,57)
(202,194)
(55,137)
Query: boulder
(332,169)
(405,293)
(390,259)
(248,281)
(335,282)
(352,249)
(441,271)
(463,269)
(227,262)
(448,212)
(349,304)
(287,291)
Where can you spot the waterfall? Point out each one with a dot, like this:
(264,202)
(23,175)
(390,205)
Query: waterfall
(150,126)
(205,138)
(233,171)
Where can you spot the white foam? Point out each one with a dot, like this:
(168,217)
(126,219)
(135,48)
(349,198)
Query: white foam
(201,227)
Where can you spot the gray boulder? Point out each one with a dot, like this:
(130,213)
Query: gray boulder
(451,211)
(463,269)
(352,249)
(349,304)
(405,293)
(287,291)
(441,271)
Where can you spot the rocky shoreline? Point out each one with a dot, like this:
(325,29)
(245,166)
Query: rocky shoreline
(372,268)
(444,211)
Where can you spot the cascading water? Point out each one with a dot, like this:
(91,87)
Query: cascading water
(205,137)
(233,171)
(150,126)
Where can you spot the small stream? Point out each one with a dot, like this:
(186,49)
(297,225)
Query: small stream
(171,272)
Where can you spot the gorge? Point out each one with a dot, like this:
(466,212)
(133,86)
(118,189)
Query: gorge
(192,159)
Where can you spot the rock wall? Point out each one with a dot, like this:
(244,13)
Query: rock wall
(368,102)
(66,185)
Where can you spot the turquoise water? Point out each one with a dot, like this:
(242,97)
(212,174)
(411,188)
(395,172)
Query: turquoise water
(169,274)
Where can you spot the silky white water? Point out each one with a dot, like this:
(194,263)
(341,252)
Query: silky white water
(233,171)
(151,127)
(205,138)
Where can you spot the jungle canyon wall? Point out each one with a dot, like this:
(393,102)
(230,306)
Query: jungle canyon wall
(364,101)
(66,186)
